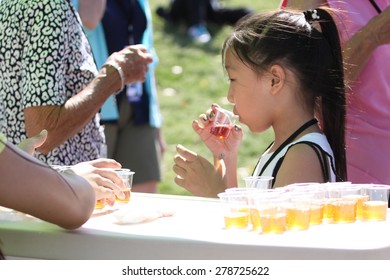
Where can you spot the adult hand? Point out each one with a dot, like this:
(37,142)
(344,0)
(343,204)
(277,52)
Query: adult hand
(100,173)
(216,145)
(134,62)
(30,144)
(196,174)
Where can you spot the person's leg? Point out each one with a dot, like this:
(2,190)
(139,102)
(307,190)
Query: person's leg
(196,11)
(196,20)
(137,148)
(218,14)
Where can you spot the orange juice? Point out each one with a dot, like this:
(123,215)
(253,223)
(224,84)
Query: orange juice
(316,214)
(328,210)
(127,193)
(273,222)
(100,203)
(344,211)
(236,219)
(374,210)
(359,205)
(298,218)
(255,219)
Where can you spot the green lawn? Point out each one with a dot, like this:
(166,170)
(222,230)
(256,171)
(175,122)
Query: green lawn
(190,78)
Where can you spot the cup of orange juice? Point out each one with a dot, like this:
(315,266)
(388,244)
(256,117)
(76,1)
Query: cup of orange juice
(375,207)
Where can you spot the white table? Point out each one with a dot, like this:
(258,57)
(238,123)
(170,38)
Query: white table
(195,231)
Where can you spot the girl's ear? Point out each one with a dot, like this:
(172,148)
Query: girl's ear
(277,78)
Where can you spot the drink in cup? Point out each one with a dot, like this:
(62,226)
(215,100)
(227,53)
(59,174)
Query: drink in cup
(223,123)
(271,209)
(253,213)
(235,209)
(100,203)
(375,208)
(344,204)
(299,210)
(127,177)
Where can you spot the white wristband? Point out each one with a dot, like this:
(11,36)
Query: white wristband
(120,72)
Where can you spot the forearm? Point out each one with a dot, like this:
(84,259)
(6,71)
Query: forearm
(356,52)
(29,186)
(304,4)
(62,122)
(91,12)
(228,165)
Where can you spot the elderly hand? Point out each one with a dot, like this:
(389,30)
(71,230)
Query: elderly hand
(196,174)
(133,61)
(100,173)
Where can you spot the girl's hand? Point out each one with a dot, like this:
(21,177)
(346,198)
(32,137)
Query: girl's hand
(215,144)
(196,174)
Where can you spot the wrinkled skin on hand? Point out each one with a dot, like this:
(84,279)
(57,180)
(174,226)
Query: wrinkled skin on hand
(134,62)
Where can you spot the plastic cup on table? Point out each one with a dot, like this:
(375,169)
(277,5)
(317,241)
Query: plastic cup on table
(235,209)
(271,206)
(344,201)
(127,177)
(375,207)
(258,182)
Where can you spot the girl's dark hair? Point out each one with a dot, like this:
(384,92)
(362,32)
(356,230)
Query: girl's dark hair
(288,38)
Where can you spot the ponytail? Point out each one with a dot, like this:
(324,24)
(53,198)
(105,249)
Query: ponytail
(332,93)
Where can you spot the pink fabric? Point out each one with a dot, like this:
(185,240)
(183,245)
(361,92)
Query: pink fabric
(368,114)
(368,103)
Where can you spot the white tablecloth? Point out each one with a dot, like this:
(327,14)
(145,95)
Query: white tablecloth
(194,231)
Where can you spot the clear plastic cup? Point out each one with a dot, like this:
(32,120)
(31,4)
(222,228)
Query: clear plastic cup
(224,122)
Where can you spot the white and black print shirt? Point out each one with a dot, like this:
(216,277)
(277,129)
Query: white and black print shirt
(44,60)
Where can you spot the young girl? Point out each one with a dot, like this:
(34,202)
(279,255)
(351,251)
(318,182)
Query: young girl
(286,74)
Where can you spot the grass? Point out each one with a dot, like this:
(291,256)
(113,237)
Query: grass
(190,78)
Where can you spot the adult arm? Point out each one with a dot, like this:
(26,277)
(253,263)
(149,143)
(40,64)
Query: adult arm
(91,12)
(32,187)
(64,121)
(358,49)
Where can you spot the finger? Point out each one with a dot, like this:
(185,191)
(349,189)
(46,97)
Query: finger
(179,181)
(179,171)
(197,127)
(204,120)
(108,184)
(40,138)
(185,153)
(111,175)
(179,160)
(104,193)
(105,163)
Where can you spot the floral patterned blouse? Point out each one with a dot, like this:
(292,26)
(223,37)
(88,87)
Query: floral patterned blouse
(45,59)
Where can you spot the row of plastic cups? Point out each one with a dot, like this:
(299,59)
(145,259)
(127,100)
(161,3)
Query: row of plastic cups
(301,205)
(344,202)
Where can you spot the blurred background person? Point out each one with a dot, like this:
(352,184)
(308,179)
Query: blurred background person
(365,35)
(134,138)
(196,13)
(48,79)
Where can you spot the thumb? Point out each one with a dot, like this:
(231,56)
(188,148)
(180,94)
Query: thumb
(30,144)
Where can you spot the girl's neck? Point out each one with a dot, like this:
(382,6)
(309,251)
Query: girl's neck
(284,130)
